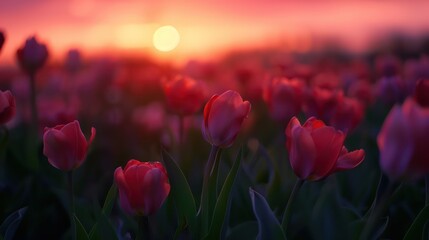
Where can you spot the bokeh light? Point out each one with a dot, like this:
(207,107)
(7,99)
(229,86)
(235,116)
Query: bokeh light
(166,38)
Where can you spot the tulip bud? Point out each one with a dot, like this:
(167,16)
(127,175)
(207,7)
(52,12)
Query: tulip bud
(321,102)
(143,187)
(65,146)
(317,150)
(403,141)
(7,106)
(2,39)
(184,95)
(284,98)
(348,114)
(223,116)
(32,56)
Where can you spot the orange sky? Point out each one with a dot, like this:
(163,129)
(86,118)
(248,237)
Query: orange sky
(207,27)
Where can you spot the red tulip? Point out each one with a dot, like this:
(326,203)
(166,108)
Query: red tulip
(7,106)
(321,102)
(65,146)
(421,94)
(348,114)
(2,39)
(284,98)
(143,187)
(403,141)
(184,95)
(316,150)
(223,116)
(32,56)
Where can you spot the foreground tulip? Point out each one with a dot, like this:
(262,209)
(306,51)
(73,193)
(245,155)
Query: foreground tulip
(65,146)
(421,94)
(284,98)
(403,141)
(143,187)
(2,38)
(7,106)
(317,150)
(223,116)
(185,96)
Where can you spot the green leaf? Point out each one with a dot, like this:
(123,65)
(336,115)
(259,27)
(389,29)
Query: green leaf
(110,200)
(269,226)
(180,192)
(81,233)
(416,229)
(11,223)
(222,201)
(245,230)
(103,229)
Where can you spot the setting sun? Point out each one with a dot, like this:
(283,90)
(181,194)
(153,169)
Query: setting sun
(166,38)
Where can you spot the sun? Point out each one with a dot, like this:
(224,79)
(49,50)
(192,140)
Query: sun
(166,38)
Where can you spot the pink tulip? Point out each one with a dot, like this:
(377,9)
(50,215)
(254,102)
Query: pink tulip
(421,94)
(317,150)
(284,98)
(321,102)
(184,95)
(32,56)
(65,146)
(403,141)
(143,187)
(7,106)
(2,39)
(223,117)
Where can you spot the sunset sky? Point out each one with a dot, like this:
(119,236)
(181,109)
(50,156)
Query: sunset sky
(206,28)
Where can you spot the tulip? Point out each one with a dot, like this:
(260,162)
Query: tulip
(223,117)
(143,187)
(65,146)
(348,114)
(2,39)
(317,150)
(32,56)
(421,95)
(321,102)
(284,98)
(185,96)
(403,141)
(7,106)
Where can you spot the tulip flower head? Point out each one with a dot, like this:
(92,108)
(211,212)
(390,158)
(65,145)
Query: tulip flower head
(223,117)
(7,106)
(32,56)
(2,39)
(185,96)
(421,94)
(317,150)
(143,187)
(65,146)
(284,98)
(403,141)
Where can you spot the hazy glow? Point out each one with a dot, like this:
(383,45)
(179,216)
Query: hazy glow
(166,38)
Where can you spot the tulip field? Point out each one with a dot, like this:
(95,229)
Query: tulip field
(257,145)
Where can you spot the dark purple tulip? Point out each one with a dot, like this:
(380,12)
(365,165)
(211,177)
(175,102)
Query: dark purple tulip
(32,56)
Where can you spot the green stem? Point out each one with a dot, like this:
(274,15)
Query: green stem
(143,231)
(71,201)
(33,140)
(208,172)
(379,209)
(288,210)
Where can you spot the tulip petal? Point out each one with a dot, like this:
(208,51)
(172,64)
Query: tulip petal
(56,149)
(155,190)
(77,142)
(328,143)
(395,143)
(303,152)
(349,160)
(288,132)
(123,190)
